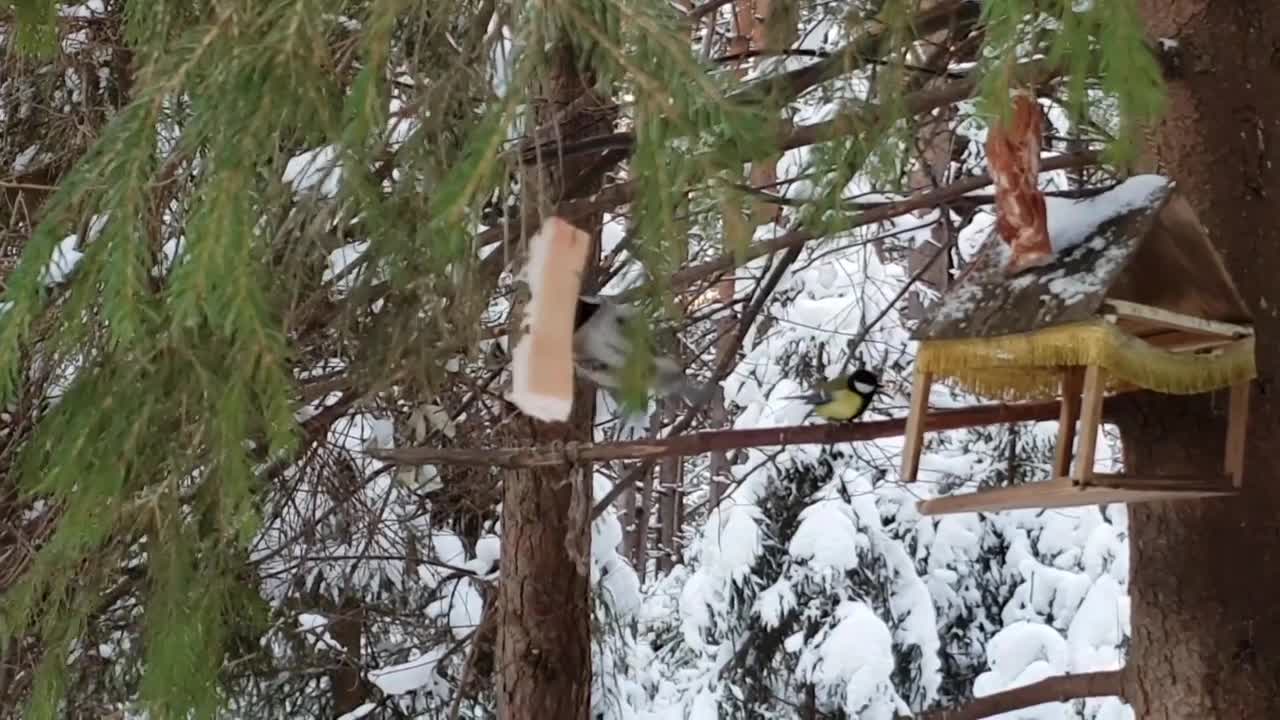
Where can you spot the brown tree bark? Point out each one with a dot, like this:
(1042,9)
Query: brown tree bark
(1204,580)
(544,610)
(350,689)
(1061,688)
(670,499)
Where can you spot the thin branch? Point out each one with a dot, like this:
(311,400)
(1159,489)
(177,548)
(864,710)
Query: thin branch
(953,235)
(702,442)
(721,371)
(947,193)
(853,118)
(866,48)
(706,8)
(1054,689)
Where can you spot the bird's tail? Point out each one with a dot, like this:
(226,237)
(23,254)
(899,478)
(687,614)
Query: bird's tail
(813,398)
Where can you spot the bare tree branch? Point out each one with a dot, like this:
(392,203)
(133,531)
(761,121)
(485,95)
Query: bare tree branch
(867,48)
(944,194)
(701,442)
(1054,689)
(854,118)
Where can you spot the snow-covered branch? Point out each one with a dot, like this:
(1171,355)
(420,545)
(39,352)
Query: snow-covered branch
(1054,689)
(702,442)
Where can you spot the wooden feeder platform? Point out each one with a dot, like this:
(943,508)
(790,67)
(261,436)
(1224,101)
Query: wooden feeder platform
(1137,298)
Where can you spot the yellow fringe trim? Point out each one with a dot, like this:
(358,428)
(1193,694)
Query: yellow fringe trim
(1028,366)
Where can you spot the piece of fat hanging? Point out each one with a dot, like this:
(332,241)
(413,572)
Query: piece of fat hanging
(542,370)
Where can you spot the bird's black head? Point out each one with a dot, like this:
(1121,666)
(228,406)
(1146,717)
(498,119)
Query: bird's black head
(863,382)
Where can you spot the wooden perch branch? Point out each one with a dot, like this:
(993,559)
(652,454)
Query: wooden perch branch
(1054,689)
(702,442)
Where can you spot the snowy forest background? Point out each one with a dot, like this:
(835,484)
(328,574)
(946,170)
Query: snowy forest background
(769,582)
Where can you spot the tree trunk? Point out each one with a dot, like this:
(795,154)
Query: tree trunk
(644,510)
(758,29)
(670,498)
(1204,585)
(347,628)
(544,621)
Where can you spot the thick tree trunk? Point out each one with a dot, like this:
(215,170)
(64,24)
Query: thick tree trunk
(544,620)
(1206,619)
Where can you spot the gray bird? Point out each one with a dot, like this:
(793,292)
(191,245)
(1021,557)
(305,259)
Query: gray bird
(601,349)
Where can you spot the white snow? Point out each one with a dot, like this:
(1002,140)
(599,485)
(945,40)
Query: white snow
(775,602)
(857,657)
(731,541)
(24,158)
(1073,221)
(359,712)
(415,674)
(313,624)
(338,270)
(318,170)
(827,536)
(63,262)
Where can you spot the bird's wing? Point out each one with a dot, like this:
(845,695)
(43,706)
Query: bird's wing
(815,397)
(825,392)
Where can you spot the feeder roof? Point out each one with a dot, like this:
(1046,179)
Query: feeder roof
(1139,242)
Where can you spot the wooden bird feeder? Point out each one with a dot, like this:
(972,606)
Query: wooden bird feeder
(1136,297)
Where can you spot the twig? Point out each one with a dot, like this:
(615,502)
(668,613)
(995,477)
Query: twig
(706,8)
(952,235)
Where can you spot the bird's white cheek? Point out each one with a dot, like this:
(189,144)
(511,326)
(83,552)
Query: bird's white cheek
(862,388)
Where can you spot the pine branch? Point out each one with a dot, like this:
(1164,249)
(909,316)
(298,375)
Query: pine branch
(1054,689)
(702,442)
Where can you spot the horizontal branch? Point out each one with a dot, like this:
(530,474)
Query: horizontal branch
(945,194)
(1055,689)
(854,117)
(702,442)
(869,47)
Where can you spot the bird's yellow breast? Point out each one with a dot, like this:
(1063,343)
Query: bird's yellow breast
(844,405)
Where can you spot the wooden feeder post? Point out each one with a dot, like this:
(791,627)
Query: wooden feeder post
(1140,300)
(1072,389)
(913,435)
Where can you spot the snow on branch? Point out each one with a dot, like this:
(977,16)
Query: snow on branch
(1055,689)
(707,441)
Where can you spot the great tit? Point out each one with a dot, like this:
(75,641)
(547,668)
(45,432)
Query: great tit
(845,398)
(601,349)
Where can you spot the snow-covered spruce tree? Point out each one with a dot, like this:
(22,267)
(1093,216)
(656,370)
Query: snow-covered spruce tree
(261,240)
